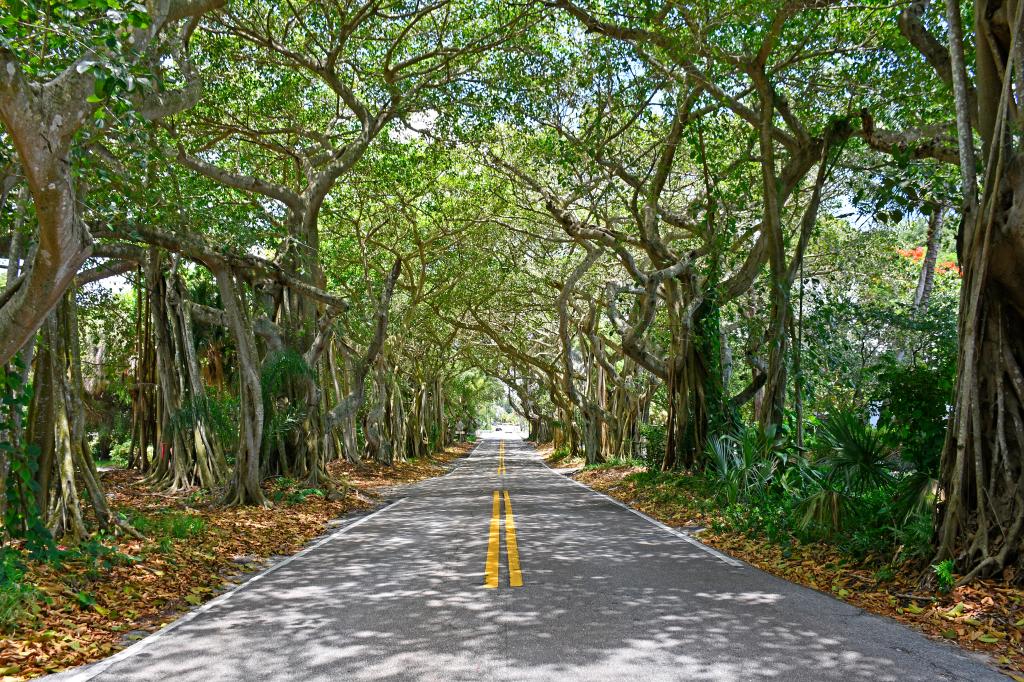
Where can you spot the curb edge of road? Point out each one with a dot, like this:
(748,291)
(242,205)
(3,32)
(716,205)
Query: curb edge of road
(91,670)
(686,537)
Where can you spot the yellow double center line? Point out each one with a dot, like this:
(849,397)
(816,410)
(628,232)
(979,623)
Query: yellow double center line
(515,574)
(501,456)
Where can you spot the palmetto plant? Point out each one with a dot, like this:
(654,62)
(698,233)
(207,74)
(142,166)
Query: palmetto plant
(825,508)
(747,464)
(855,454)
(852,460)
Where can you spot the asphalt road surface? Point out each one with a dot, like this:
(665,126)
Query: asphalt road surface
(446,584)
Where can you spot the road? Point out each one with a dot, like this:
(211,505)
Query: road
(423,590)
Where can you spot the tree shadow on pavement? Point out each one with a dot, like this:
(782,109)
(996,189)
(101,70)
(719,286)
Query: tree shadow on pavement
(607,596)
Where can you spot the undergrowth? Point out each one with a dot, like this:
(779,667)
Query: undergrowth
(19,599)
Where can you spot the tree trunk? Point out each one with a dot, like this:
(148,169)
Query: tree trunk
(981,515)
(980,519)
(244,487)
(926,279)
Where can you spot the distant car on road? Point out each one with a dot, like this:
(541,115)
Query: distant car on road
(498,427)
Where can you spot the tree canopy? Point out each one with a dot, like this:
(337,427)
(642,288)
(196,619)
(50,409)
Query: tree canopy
(247,239)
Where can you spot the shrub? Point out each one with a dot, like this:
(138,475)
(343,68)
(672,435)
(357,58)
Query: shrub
(914,537)
(823,511)
(850,494)
(19,599)
(854,453)
(654,444)
(746,464)
(560,454)
(117,456)
(914,398)
(944,574)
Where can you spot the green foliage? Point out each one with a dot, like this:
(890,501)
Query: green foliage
(85,600)
(280,368)
(865,348)
(487,253)
(281,416)
(300,495)
(654,444)
(469,398)
(944,575)
(118,455)
(72,26)
(914,536)
(771,518)
(173,525)
(682,490)
(284,482)
(852,493)
(560,454)
(617,462)
(747,465)
(287,490)
(434,436)
(19,599)
(824,509)
(885,574)
(216,409)
(98,556)
(854,454)
(914,398)
(22,518)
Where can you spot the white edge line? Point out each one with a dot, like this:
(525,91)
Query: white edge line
(99,667)
(678,533)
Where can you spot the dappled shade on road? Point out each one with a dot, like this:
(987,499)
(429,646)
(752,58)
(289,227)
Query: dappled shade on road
(606,596)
